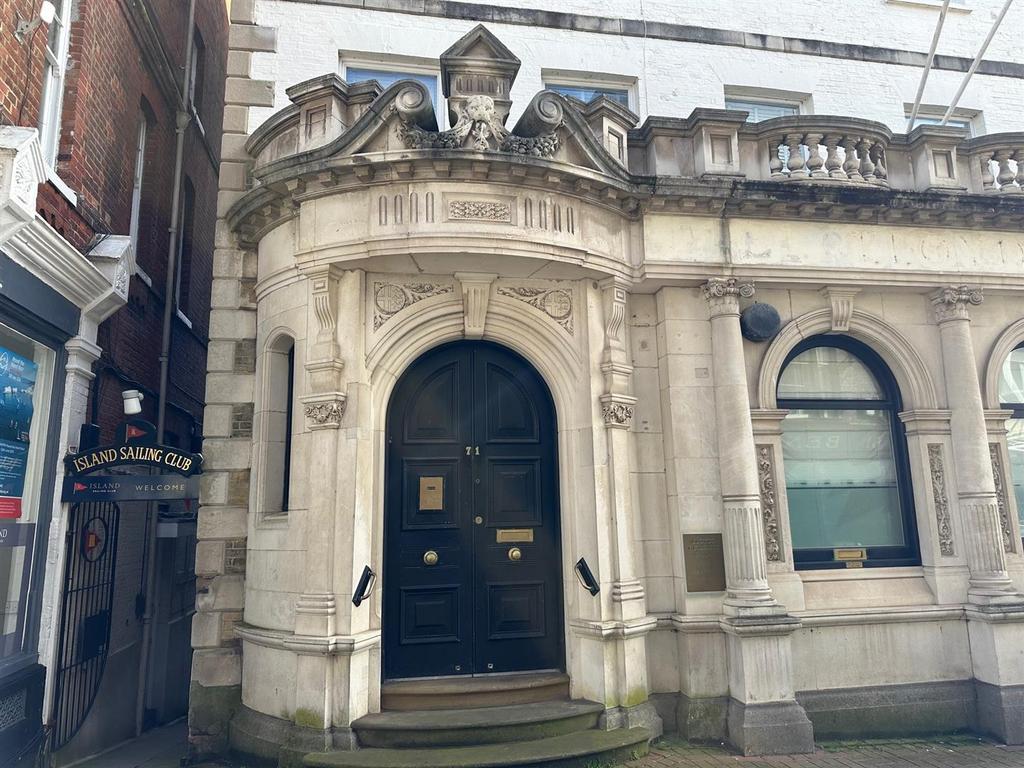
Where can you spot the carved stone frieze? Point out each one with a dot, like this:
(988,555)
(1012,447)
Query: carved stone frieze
(937,469)
(951,303)
(478,128)
(617,411)
(1001,500)
(325,414)
(769,503)
(480,210)
(556,303)
(390,298)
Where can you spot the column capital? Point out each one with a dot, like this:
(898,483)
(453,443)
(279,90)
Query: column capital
(950,303)
(723,294)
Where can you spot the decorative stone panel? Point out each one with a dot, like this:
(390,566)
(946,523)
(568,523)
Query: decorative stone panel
(1001,498)
(937,470)
(769,503)
(391,297)
(556,303)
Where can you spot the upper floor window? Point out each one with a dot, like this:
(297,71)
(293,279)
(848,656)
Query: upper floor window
(845,456)
(54,69)
(183,285)
(932,115)
(762,110)
(137,178)
(358,67)
(1011,397)
(587,86)
(197,75)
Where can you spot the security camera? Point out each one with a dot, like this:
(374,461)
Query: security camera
(46,14)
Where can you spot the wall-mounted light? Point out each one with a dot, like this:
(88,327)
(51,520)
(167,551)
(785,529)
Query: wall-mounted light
(364,587)
(26,27)
(132,402)
(586,577)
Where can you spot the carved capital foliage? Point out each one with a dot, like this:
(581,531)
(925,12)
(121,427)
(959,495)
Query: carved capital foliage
(325,412)
(951,303)
(617,411)
(723,294)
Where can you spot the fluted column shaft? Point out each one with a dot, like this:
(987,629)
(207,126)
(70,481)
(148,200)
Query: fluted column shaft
(746,564)
(972,461)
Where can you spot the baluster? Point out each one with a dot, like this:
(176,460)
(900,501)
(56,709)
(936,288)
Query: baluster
(852,165)
(814,160)
(1006,174)
(1018,156)
(796,165)
(774,161)
(878,155)
(867,168)
(988,182)
(833,165)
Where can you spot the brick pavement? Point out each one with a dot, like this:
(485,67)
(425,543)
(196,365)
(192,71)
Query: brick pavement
(947,752)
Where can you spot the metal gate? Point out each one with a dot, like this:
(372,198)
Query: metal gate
(85,615)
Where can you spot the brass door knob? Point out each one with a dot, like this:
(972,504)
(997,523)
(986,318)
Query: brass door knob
(430,557)
(515,554)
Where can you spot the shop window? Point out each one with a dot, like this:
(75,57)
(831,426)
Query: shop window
(845,456)
(279,416)
(1011,397)
(26,380)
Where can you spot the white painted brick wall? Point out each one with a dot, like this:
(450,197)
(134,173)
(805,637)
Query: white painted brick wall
(673,77)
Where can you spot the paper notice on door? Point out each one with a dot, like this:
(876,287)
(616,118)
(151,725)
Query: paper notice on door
(431,493)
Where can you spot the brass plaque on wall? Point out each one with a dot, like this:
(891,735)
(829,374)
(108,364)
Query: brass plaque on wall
(509,535)
(431,493)
(705,562)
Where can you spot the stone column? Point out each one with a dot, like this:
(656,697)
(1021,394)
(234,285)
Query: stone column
(746,565)
(764,717)
(976,495)
(995,612)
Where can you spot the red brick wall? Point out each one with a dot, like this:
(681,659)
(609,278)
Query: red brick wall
(111,80)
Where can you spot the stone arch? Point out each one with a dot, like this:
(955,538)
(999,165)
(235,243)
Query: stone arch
(1008,340)
(910,370)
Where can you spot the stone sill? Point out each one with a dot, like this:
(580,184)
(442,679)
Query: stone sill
(863,574)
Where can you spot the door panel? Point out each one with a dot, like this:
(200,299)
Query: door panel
(472,555)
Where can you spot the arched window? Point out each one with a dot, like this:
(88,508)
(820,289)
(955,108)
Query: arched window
(278,418)
(845,454)
(1011,397)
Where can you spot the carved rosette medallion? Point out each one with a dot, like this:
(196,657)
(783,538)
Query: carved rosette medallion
(391,298)
(769,503)
(556,303)
(951,303)
(325,414)
(1001,500)
(937,469)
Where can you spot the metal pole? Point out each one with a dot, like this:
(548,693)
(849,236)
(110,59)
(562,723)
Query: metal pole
(976,62)
(182,118)
(928,65)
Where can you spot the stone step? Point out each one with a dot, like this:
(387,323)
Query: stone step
(484,725)
(468,692)
(581,749)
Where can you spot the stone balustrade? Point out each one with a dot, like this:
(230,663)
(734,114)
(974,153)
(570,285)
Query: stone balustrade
(998,160)
(824,149)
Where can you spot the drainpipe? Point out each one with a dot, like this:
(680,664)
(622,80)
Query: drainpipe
(928,65)
(182,119)
(976,62)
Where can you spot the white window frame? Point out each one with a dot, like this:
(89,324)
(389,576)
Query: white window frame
(802,103)
(54,71)
(140,166)
(397,64)
(570,78)
(193,70)
(971,117)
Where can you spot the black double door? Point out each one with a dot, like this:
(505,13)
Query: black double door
(472,557)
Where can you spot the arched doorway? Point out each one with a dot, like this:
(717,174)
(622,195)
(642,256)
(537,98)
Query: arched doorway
(472,555)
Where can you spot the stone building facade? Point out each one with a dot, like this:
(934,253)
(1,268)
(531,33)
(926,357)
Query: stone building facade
(774,362)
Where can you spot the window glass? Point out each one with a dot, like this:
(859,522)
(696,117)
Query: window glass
(841,479)
(26,370)
(1015,444)
(389,77)
(586,94)
(1011,383)
(1011,397)
(762,110)
(54,67)
(827,373)
(937,120)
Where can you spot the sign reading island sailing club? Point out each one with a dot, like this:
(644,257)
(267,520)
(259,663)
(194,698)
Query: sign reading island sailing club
(136,446)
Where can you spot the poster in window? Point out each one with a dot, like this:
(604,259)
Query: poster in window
(17,382)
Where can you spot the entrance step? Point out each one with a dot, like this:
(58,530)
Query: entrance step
(485,725)
(581,749)
(469,692)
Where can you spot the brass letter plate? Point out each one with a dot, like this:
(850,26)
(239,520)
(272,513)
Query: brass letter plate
(511,535)
(854,558)
(704,562)
(431,493)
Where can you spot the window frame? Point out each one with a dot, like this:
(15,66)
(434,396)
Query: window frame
(1016,414)
(51,102)
(563,78)
(933,113)
(138,175)
(398,65)
(880,556)
(197,78)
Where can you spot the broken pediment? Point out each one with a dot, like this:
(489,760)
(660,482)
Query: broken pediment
(478,64)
